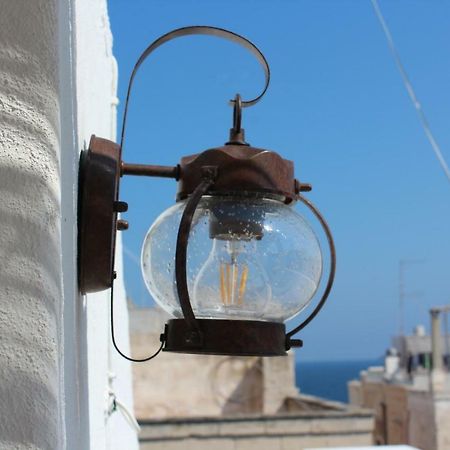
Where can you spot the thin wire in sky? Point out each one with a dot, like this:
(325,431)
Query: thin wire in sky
(410,90)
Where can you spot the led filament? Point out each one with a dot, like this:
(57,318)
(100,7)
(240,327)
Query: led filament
(229,275)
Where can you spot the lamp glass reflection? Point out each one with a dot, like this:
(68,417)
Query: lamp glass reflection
(248,259)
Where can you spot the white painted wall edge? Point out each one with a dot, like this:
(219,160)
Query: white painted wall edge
(108,372)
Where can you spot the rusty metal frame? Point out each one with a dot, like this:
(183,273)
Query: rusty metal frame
(212,336)
(331,273)
(235,169)
(226,337)
(197,30)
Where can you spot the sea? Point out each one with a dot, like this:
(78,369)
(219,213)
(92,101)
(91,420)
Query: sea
(328,379)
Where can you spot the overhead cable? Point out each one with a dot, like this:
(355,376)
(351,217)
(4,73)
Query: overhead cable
(410,90)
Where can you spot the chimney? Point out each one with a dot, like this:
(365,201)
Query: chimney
(437,378)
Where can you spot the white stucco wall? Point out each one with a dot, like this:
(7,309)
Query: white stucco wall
(96,82)
(57,86)
(30,212)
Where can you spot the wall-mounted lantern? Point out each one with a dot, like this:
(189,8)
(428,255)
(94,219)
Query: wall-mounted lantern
(232,260)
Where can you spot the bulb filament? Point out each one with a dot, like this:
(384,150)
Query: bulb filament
(229,282)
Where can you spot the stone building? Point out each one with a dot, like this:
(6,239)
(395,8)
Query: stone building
(58,373)
(411,393)
(219,402)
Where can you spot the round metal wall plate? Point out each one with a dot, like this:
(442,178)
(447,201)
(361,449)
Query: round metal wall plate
(99,176)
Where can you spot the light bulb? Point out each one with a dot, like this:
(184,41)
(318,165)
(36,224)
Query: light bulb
(247,258)
(232,283)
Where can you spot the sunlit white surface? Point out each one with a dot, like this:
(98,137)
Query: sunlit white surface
(392,447)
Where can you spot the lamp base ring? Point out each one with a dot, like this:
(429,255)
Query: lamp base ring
(227,337)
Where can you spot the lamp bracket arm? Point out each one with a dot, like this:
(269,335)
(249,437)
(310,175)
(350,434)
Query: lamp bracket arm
(147,170)
(331,274)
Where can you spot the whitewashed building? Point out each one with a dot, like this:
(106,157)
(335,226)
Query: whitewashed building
(58,372)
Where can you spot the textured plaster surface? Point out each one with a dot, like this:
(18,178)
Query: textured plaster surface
(30,247)
(422,431)
(300,430)
(442,419)
(57,87)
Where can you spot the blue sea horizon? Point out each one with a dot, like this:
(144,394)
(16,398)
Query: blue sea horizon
(328,379)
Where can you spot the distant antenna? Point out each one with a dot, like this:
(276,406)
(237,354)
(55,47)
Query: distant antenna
(402,294)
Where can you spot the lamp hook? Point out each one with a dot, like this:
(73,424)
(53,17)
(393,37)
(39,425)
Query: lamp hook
(199,30)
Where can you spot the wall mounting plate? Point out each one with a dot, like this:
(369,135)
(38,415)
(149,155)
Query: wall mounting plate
(99,175)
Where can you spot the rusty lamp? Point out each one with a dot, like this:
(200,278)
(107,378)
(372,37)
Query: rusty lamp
(232,260)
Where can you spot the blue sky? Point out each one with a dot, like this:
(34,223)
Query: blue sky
(337,107)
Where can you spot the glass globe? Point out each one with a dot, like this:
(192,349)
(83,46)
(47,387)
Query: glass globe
(247,259)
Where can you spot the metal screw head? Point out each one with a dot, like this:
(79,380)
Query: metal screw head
(120,206)
(301,187)
(193,338)
(209,172)
(290,343)
(122,225)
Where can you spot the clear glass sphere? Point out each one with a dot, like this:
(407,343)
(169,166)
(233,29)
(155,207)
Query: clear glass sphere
(247,259)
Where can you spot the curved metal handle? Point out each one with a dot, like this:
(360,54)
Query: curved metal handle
(197,30)
(181,248)
(332,273)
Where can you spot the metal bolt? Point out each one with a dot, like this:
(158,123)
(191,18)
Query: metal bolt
(122,225)
(120,206)
(193,338)
(209,172)
(301,187)
(293,343)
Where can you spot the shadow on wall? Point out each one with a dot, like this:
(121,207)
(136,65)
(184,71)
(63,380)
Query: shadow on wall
(24,227)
